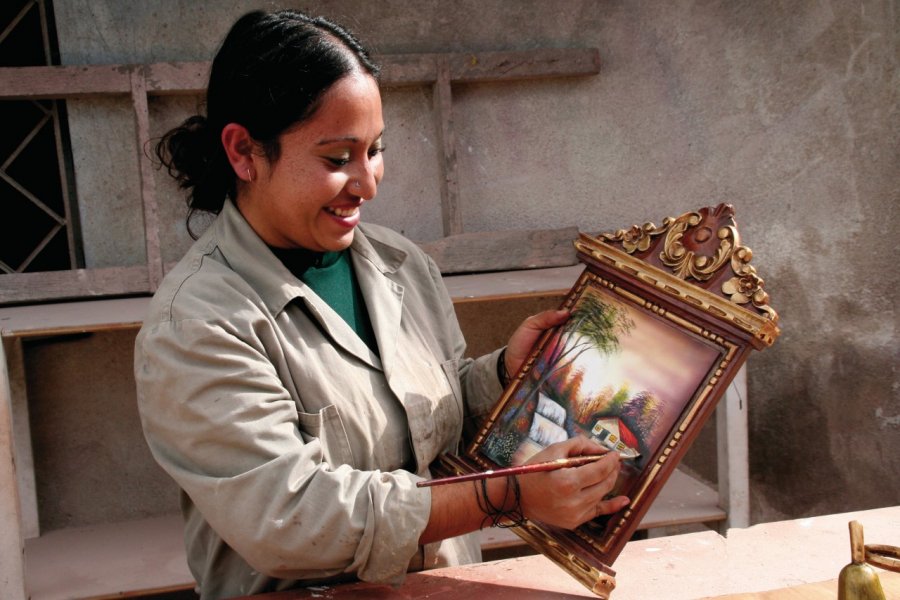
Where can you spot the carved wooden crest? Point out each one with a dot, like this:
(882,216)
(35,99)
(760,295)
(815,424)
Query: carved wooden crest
(700,249)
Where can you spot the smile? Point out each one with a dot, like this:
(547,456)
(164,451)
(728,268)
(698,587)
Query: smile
(342,212)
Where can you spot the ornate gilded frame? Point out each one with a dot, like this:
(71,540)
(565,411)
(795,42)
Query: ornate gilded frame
(692,275)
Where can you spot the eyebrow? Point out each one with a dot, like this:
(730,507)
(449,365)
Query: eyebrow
(349,138)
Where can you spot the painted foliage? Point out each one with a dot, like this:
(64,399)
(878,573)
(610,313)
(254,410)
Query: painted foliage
(613,372)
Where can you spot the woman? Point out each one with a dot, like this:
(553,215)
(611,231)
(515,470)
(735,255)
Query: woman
(298,371)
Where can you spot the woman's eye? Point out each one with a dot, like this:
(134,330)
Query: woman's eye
(375,150)
(339,161)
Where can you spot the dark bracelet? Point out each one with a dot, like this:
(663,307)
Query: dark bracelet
(496,515)
(502,372)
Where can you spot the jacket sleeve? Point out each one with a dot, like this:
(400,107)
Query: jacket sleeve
(478,379)
(219,421)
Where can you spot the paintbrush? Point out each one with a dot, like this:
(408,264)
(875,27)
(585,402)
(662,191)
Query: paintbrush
(550,465)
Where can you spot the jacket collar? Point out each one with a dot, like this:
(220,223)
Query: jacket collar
(374,261)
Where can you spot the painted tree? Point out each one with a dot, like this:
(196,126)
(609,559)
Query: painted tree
(594,325)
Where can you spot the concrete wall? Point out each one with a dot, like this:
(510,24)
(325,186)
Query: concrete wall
(787,110)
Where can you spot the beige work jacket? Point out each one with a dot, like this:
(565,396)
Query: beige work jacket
(297,448)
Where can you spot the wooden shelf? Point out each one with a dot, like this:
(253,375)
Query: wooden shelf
(485,286)
(139,557)
(72,317)
(60,318)
(110,560)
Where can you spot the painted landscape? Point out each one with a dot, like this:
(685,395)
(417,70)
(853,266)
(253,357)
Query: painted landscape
(614,373)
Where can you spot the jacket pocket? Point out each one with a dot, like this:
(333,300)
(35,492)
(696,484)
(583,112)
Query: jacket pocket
(326,429)
(451,371)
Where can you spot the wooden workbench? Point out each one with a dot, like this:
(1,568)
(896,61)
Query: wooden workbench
(798,560)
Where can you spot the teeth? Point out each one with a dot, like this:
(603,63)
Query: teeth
(343,212)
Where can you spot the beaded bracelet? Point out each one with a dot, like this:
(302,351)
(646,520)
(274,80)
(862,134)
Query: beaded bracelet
(496,515)
(502,371)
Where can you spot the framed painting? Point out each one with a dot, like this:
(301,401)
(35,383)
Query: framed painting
(662,319)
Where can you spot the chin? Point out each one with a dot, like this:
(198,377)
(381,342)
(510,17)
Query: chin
(338,244)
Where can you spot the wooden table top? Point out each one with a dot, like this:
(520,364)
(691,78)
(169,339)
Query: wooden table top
(797,560)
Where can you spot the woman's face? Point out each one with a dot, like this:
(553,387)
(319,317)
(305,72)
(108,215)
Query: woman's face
(329,166)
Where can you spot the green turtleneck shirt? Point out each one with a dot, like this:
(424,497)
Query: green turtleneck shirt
(331,276)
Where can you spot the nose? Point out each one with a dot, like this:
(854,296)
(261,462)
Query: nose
(365,184)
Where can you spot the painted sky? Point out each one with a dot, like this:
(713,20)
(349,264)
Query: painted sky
(655,356)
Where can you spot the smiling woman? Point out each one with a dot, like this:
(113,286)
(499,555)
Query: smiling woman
(299,370)
(310,197)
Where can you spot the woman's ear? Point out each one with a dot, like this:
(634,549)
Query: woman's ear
(239,149)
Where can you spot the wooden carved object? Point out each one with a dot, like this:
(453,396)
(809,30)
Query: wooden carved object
(663,317)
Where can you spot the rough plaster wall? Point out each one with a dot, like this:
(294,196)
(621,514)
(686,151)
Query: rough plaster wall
(788,110)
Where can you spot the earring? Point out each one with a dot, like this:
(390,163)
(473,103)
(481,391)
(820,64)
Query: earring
(249,176)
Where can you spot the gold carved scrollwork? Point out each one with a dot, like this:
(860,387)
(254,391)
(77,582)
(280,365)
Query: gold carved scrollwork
(686,263)
(638,237)
(746,286)
(685,238)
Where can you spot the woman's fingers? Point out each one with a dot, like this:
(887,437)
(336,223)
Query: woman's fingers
(524,337)
(571,496)
(608,507)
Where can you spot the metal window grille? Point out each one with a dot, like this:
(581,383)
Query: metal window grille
(38,221)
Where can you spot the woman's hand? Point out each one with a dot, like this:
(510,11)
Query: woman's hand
(524,337)
(569,497)
(565,497)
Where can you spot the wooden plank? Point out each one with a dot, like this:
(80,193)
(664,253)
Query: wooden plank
(40,320)
(504,250)
(176,78)
(78,283)
(102,314)
(21,426)
(451,214)
(147,182)
(12,566)
(400,70)
(484,287)
(66,178)
(23,83)
(533,64)
(420,69)
(190,77)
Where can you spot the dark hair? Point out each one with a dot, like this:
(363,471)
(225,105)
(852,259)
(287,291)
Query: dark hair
(269,74)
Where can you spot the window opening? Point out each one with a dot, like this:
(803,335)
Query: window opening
(38,217)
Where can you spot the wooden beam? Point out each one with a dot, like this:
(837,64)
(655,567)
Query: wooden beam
(148,184)
(466,67)
(35,83)
(78,283)
(451,214)
(178,78)
(504,250)
(533,64)
(12,544)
